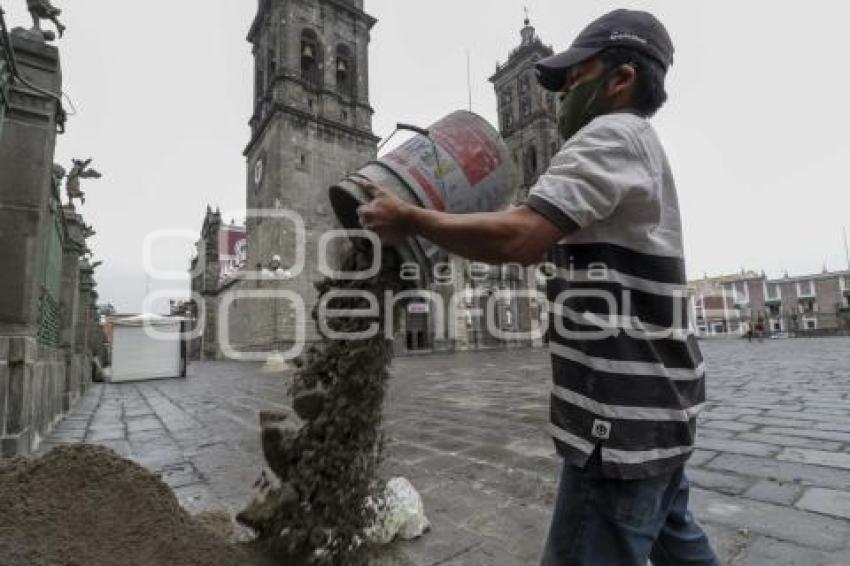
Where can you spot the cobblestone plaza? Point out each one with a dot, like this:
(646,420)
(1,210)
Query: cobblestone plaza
(771,474)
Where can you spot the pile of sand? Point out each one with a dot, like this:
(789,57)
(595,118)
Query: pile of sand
(85,506)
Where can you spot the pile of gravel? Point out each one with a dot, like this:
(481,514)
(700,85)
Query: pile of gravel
(323,457)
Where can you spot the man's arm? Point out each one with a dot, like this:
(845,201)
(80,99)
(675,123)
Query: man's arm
(516,235)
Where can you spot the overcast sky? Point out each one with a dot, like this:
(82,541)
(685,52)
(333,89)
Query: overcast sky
(756,127)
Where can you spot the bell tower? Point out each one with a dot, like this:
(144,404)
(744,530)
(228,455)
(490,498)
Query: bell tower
(527,119)
(311,125)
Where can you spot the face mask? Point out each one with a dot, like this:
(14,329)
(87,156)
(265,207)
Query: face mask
(580,105)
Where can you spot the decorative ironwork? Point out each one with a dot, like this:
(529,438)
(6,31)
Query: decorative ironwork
(49,321)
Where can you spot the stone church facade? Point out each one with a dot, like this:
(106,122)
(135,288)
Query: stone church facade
(526,111)
(311,126)
(528,125)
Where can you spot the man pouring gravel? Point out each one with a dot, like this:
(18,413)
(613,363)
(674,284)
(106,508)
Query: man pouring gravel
(628,376)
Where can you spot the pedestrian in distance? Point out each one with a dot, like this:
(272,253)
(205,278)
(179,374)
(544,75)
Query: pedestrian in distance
(625,400)
(760,328)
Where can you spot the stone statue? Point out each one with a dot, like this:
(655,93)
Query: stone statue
(79,171)
(44,10)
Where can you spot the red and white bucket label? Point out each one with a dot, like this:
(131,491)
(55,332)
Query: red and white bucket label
(474,172)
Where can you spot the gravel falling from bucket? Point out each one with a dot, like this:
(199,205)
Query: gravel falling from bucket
(323,457)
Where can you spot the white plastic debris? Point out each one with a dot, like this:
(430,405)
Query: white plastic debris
(402,515)
(275,363)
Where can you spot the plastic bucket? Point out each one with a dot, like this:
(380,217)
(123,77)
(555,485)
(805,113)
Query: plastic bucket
(461,166)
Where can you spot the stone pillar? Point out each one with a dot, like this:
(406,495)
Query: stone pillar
(87,322)
(26,162)
(74,247)
(29,373)
(94,336)
(86,288)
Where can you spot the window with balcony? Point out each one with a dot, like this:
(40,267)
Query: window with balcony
(806,289)
(772,292)
(808,306)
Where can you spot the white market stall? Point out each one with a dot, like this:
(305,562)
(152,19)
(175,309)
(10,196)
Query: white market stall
(147,346)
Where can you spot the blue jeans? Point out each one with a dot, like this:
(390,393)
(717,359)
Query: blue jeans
(610,522)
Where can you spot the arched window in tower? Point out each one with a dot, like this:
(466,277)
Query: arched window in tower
(344,71)
(530,164)
(506,109)
(507,119)
(525,106)
(271,66)
(259,80)
(507,99)
(524,96)
(310,58)
(524,84)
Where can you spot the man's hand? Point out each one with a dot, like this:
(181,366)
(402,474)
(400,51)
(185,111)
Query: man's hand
(518,234)
(386,215)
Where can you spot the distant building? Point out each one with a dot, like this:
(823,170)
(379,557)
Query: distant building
(221,255)
(529,127)
(527,119)
(732,304)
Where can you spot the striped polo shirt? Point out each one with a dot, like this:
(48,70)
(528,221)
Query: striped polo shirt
(628,373)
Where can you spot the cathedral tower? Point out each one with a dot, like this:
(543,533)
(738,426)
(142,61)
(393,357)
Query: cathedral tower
(311,125)
(527,119)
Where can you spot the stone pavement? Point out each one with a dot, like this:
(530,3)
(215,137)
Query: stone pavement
(771,475)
